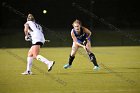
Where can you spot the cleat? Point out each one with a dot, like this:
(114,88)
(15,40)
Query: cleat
(27,73)
(51,65)
(67,66)
(96,68)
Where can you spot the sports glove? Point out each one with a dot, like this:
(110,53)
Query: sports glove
(28,37)
(85,42)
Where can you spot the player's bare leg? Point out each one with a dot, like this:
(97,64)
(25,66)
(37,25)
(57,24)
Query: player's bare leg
(91,55)
(36,55)
(72,55)
(29,63)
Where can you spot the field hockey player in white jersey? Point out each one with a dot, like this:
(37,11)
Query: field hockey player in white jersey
(34,33)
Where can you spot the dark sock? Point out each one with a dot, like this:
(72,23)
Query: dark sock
(71,58)
(93,59)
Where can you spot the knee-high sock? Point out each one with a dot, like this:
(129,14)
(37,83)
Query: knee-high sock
(42,59)
(71,58)
(29,63)
(93,59)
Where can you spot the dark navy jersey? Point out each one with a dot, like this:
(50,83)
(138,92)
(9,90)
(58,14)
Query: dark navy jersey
(80,36)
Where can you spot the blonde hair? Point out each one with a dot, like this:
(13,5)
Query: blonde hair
(30,17)
(77,21)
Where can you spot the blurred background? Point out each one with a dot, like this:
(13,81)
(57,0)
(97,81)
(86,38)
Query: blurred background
(112,22)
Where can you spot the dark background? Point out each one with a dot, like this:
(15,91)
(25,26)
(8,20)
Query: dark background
(122,14)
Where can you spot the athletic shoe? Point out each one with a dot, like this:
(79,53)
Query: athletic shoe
(51,65)
(96,68)
(67,66)
(27,73)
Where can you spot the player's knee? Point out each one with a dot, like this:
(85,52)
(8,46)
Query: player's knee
(72,53)
(35,56)
(30,54)
(89,51)
(38,57)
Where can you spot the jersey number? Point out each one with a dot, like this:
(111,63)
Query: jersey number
(37,26)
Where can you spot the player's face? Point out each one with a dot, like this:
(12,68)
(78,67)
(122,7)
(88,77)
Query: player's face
(76,26)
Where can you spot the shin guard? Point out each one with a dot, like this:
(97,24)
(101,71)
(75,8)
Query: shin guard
(93,59)
(71,58)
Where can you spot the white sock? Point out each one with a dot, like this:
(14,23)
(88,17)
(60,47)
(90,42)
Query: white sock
(29,63)
(42,59)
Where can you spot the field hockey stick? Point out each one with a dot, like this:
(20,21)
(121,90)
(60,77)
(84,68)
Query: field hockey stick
(86,49)
(47,40)
(85,43)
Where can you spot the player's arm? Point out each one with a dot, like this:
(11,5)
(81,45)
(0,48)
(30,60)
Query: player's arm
(87,31)
(75,39)
(27,35)
(26,28)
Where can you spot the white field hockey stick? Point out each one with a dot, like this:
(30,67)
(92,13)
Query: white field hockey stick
(47,41)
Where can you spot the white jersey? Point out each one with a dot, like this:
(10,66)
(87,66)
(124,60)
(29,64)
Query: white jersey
(36,32)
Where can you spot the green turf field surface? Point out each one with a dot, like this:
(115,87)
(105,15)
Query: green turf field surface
(119,73)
